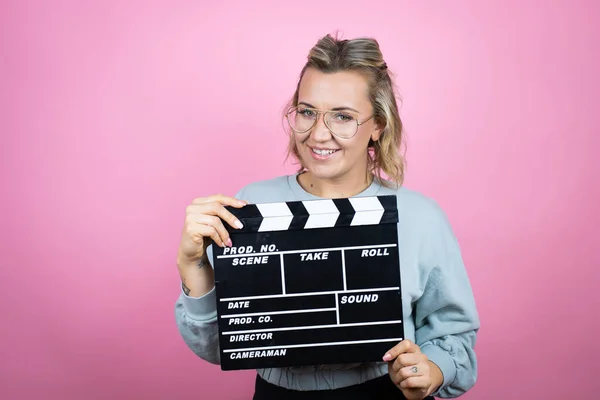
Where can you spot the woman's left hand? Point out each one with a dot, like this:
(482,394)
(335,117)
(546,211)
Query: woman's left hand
(411,371)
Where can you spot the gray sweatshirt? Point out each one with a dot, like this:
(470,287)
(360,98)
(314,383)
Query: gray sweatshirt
(438,304)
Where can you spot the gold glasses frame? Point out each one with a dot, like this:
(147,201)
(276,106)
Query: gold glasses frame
(323,113)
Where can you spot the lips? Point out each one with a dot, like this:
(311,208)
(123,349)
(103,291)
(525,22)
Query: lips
(323,152)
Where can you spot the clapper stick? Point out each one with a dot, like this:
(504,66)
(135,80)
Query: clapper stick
(309,282)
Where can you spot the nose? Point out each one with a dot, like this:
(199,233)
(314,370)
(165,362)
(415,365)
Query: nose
(320,132)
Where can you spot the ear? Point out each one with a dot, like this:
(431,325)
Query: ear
(376,134)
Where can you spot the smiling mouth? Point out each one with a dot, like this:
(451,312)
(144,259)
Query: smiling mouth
(323,152)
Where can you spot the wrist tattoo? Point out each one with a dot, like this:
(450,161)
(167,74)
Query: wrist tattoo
(186,289)
(203,262)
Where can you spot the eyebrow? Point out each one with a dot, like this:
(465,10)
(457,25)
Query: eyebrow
(333,109)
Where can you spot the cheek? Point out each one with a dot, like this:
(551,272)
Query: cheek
(301,139)
(298,141)
(357,144)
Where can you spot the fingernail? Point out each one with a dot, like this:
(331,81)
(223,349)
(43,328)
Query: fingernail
(387,357)
(238,224)
(229,242)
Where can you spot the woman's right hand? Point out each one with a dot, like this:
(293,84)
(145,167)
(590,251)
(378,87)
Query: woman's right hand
(203,224)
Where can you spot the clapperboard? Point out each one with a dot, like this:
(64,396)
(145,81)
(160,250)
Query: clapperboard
(309,282)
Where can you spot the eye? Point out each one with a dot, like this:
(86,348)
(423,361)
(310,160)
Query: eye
(306,112)
(341,117)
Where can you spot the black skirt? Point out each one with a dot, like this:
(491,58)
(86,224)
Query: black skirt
(376,389)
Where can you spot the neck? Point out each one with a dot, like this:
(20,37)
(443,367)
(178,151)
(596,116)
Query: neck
(342,187)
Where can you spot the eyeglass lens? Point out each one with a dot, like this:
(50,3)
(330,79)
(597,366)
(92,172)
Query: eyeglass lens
(302,119)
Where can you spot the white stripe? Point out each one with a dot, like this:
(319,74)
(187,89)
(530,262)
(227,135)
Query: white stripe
(321,221)
(279,312)
(365,203)
(299,328)
(274,209)
(375,246)
(344,268)
(275,296)
(275,224)
(282,274)
(320,207)
(337,309)
(367,218)
(291,346)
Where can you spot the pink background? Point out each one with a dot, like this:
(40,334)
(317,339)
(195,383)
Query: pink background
(115,115)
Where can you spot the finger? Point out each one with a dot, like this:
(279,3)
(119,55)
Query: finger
(416,383)
(412,371)
(408,371)
(211,232)
(405,346)
(217,209)
(406,360)
(216,223)
(221,198)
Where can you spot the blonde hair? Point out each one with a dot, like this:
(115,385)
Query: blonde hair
(363,55)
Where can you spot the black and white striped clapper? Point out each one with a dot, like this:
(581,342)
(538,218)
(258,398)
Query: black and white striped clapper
(309,282)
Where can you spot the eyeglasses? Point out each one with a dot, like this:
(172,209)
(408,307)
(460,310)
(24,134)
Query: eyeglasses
(341,123)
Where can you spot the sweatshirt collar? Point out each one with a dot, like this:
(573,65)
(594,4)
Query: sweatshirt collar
(299,191)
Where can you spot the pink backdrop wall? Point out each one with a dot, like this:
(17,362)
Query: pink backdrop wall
(116,114)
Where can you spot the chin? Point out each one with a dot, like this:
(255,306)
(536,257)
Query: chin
(325,172)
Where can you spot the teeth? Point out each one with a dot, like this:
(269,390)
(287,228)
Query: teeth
(323,152)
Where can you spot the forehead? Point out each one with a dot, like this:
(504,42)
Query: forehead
(329,90)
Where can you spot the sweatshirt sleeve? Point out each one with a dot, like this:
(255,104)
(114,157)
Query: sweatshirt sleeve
(196,317)
(446,318)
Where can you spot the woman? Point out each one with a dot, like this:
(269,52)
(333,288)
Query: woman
(346,133)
